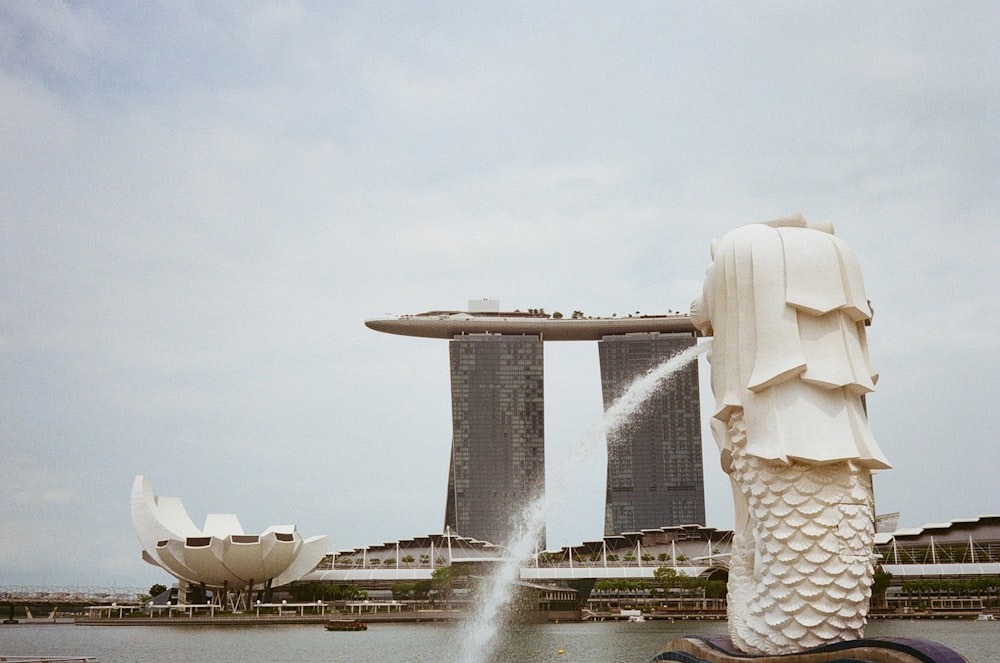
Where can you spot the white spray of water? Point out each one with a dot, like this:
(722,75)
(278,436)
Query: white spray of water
(494,596)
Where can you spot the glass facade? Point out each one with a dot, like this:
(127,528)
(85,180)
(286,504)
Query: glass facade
(498,433)
(655,476)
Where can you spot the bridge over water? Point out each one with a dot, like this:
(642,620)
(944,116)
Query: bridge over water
(52,598)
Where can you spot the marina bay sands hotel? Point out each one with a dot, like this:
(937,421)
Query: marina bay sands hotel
(654,476)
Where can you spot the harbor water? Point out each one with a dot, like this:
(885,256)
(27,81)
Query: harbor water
(603,642)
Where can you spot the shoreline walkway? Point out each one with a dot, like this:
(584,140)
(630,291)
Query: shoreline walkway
(416,616)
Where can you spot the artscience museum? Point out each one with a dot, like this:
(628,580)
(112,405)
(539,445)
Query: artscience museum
(219,556)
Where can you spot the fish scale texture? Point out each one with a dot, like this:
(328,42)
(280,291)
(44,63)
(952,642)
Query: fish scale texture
(801,569)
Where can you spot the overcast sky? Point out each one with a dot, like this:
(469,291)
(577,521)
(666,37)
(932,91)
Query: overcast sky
(201,203)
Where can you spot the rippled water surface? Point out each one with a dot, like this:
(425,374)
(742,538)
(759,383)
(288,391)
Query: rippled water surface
(608,642)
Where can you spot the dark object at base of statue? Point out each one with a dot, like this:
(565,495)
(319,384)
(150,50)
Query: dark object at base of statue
(719,649)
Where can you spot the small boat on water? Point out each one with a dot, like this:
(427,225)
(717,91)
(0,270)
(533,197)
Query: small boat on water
(986,617)
(346,625)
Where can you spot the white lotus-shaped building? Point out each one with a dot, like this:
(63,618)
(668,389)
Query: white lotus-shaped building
(221,554)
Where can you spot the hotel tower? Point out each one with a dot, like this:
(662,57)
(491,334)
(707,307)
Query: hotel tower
(497,461)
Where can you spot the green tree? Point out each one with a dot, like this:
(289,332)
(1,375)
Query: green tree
(442,581)
(668,578)
(422,589)
(402,590)
(692,584)
(156,590)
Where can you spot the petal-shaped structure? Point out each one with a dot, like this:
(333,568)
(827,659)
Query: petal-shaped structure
(167,558)
(309,555)
(244,552)
(156,519)
(221,554)
(204,556)
(280,550)
(222,525)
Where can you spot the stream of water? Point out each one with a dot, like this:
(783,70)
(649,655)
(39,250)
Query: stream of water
(489,618)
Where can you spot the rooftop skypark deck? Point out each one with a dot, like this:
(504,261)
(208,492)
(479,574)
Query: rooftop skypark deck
(448,324)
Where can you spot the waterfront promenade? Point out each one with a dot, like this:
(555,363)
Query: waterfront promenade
(311,614)
(182,618)
(252,619)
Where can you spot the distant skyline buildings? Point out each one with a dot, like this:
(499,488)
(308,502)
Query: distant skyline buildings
(655,476)
(497,461)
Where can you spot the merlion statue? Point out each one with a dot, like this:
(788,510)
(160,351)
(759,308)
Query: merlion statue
(786,305)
